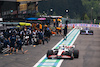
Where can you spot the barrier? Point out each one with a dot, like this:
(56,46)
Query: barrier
(83,25)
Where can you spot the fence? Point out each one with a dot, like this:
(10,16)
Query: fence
(80,21)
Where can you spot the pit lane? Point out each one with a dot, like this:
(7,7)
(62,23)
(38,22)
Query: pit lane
(89,47)
(68,40)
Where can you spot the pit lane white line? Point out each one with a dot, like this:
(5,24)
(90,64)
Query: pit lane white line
(66,42)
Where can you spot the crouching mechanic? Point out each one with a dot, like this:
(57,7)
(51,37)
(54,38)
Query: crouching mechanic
(12,42)
(19,45)
(6,43)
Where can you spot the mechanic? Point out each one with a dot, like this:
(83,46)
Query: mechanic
(54,21)
(19,46)
(12,42)
(65,30)
(22,34)
(49,33)
(40,27)
(30,37)
(13,31)
(6,34)
(46,35)
(41,37)
(58,30)
(6,43)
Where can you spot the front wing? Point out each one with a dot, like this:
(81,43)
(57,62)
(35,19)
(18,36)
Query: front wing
(86,32)
(61,56)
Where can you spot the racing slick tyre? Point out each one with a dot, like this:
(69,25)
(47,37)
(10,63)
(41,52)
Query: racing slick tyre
(50,52)
(80,31)
(92,32)
(76,53)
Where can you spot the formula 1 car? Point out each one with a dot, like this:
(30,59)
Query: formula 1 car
(63,52)
(86,31)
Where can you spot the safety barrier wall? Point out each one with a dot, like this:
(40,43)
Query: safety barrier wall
(83,25)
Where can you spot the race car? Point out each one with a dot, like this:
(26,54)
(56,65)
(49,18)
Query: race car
(63,52)
(86,31)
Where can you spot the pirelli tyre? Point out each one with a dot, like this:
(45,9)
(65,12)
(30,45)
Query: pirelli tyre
(80,31)
(50,52)
(91,32)
(76,53)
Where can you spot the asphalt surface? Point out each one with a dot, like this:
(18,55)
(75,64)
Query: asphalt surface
(89,48)
(88,45)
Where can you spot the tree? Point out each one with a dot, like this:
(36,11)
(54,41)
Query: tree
(86,17)
(95,4)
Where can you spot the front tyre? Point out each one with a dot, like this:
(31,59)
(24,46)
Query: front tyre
(76,53)
(50,52)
